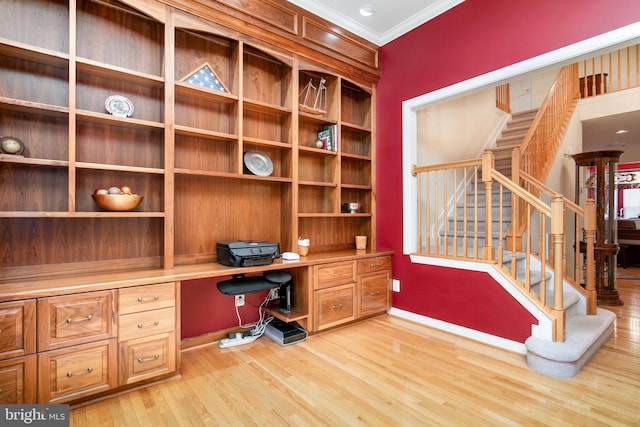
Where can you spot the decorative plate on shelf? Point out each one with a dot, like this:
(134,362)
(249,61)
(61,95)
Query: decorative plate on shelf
(118,105)
(258,163)
(11,145)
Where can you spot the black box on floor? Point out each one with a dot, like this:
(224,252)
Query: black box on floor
(285,333)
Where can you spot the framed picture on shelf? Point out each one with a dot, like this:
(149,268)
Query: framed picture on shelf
(205,77)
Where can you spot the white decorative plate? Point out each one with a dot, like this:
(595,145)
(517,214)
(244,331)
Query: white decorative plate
(119,106)
(258,163)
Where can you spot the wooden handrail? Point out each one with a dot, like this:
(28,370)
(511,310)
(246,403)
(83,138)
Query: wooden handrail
(443,194)
(540,144)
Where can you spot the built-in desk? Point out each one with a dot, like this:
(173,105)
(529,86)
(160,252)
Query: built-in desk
(97,333)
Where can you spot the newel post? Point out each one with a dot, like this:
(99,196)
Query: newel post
(557,235)
(590,236)
(488,162)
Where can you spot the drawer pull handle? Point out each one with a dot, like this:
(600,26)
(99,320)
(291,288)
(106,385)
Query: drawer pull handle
(142,325)
(143,299)
(375,264)
(336,307)
(84,319)
(86,371)
(337,274)
(156,356)
(374,293)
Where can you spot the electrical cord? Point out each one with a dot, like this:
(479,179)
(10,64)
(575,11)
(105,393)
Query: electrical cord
(258,328)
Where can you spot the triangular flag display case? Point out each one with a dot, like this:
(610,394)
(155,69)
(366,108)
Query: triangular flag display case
(205,77)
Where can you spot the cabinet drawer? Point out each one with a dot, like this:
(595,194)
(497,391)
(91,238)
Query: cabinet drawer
(141,298)
(374,264)
(334,306)
(17,328)
(334,274)
(18,380)
(145,323)
(77,371)
(147,357)
(75,319)
(374,293)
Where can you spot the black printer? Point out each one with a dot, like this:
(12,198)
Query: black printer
(246,253)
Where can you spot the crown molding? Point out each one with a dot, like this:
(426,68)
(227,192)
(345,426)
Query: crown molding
(379,39)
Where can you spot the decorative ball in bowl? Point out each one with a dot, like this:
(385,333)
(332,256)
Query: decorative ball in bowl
(111,200)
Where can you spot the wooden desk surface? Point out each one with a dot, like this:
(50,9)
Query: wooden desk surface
(12,290)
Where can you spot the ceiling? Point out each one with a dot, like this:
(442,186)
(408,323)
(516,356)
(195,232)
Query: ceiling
(392,18)
(600,134)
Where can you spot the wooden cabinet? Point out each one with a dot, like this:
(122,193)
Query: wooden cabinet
(183,147)
(345,291)
(334,274)
(334,306)
(334,299)
(17,352)
(183,150)
(18,380)
(76,346)
(17,328)
(78,371)
(374,289)
(75,319)
(88,343)
(146,332)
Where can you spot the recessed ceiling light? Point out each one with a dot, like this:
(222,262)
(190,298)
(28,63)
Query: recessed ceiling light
(621,131)
(367,10)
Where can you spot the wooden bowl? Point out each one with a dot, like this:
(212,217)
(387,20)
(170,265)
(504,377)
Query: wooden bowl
(117,202)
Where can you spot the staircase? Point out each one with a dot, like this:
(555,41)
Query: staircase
(584,334)
(512,136)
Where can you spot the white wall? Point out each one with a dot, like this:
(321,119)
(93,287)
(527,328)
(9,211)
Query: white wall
(611,104)
(457,129)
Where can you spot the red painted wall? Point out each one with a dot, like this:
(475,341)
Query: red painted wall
(475,37)
(205,309)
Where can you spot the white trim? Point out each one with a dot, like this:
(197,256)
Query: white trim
(411,106)
(460,330)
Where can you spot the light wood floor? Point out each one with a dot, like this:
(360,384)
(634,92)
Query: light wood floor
(387,372)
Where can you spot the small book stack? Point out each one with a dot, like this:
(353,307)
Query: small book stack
(329,137)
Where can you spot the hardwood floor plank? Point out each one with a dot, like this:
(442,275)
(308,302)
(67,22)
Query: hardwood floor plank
(387,372)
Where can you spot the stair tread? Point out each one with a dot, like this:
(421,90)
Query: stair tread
(581,333)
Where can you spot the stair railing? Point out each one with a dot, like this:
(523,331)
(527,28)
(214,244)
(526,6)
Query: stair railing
(448,193)
(610,72)
(577,230)
(541,143)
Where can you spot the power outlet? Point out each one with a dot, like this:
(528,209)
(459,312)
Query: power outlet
(395,285)
(239,300)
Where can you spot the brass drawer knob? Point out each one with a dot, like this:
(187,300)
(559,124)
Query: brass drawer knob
(153,298)
(374,293)
(336,307)
(86,371)
(84,319)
